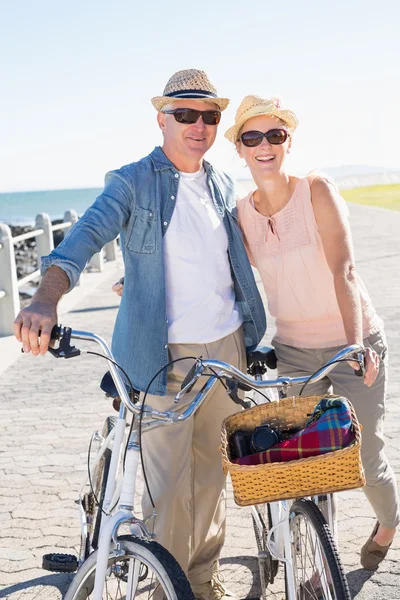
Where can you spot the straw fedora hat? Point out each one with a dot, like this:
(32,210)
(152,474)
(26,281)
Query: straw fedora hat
(253,106)
(189,84)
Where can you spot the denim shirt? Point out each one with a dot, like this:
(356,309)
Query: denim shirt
(138,201)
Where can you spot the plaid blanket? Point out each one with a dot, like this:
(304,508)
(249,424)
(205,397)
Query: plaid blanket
(329,428)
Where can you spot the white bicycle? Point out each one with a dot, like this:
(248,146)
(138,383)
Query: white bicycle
(135,566)
(296,533)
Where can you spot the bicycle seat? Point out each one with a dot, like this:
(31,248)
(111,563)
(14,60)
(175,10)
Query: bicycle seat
(262,354)
(108,386)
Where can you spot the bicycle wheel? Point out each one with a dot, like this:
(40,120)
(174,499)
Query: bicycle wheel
(317,569)
(100,483)
(143,570)
(268,566)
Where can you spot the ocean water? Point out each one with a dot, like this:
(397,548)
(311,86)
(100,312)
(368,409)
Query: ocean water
(21,208)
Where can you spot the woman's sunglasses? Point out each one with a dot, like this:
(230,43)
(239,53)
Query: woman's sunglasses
(188,116)
(255,138)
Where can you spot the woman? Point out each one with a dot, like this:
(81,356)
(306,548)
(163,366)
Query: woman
(297,235)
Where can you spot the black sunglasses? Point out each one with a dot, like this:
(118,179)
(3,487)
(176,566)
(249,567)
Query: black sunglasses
(255,138)
(188,116)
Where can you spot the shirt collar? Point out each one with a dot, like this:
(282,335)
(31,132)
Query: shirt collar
(161,162)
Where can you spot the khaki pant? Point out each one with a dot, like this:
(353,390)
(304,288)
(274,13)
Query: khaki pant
(183,464)
(369,404)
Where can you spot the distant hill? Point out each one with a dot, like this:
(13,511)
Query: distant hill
(347,177)
(355,170)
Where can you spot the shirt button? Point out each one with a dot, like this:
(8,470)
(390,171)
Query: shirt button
(172,197)
(165,223)
(176,175)
(150,214)
(166,346)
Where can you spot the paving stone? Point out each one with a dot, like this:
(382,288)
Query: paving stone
(12,555)
(59,530)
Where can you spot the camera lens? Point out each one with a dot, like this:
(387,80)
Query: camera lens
(263,438)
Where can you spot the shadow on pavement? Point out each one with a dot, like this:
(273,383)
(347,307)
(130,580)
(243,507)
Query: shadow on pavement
(356,580)
(94,309)
(60,581)
(251,564)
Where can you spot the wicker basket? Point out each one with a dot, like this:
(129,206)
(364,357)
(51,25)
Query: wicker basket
(331,472)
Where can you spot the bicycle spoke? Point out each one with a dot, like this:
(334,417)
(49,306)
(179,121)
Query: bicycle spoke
(127,580)
(312,578)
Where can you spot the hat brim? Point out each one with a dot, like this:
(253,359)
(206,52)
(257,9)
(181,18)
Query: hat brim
(287,116)
(160,101)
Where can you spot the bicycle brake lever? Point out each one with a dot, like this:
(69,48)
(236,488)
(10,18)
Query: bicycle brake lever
(65,350)
(233,394)
(190,379)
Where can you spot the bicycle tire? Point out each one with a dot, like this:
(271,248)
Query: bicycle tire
(268,566)
(100,482)
(156,560)
(306,521)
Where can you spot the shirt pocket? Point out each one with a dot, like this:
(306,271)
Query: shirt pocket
(142,236)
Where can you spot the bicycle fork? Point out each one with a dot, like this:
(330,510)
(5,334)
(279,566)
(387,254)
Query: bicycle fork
(110,524)
(279,542)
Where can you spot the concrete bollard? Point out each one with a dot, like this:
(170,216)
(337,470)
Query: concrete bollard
(44,242)
(9,302)
(70,216)
(97,261)
(111,250)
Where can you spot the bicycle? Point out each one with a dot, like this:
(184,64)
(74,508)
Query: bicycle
(281,528)
(135,565)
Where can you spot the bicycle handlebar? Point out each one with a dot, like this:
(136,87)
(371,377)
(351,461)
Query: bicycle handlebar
(218,369)
(229,372)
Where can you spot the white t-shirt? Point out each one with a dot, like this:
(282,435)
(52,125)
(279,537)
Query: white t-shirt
(199,286)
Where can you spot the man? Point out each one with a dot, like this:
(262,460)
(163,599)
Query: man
(189,291)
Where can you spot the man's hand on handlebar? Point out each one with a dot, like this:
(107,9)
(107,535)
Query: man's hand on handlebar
(41,314)
(37,317)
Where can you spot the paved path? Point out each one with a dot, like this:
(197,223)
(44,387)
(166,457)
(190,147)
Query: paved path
(50,408)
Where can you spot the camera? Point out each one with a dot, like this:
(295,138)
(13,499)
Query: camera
(242,443)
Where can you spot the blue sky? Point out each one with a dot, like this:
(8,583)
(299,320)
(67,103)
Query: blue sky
(77,78)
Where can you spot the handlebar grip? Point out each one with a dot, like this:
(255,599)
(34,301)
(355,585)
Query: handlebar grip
(360,372)
(55,332)
(54,335)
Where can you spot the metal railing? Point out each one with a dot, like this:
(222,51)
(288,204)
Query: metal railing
(43,234)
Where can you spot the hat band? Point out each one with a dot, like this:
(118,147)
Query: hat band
(191,94)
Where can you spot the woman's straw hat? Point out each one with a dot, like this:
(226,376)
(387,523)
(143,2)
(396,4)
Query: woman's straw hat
(189,84)
(253,106)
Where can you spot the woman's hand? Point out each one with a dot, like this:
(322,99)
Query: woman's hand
(371,366)
(118,287)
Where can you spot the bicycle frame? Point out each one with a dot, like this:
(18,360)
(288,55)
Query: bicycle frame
(110,523)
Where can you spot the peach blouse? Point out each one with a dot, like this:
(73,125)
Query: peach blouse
(287,251)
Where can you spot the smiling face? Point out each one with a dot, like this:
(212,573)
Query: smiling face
(266,159)
(186,144)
